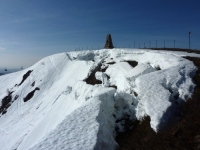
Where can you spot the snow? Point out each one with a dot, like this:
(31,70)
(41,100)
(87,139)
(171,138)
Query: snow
(68,113)
(102,77)
(117,73)
(139,70)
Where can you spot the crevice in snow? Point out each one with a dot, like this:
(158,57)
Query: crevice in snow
(91,78)
(124,111)
(157,68)
(113,86)
(111,63)
(132,63)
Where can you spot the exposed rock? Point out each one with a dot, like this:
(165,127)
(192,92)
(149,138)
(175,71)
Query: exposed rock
(25,76)
(108,42)
(31,94)
(6,102)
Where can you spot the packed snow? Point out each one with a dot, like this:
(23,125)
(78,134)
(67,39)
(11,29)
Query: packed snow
(50,105)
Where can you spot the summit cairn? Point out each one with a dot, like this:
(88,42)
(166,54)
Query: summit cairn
(108,44)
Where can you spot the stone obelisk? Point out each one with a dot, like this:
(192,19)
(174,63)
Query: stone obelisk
(109,44)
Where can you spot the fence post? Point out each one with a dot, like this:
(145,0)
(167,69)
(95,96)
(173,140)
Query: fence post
(156,43)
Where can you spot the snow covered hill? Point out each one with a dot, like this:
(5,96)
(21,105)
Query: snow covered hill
(78,100)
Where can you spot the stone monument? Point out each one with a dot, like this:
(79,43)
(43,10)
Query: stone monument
(108,44)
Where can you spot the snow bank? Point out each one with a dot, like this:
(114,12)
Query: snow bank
(86,127)
(67,113)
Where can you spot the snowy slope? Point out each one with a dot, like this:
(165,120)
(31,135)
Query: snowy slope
(55,105)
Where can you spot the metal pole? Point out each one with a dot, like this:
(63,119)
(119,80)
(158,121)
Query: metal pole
(174,44)
(156,43)
(149,44)
(189,39)
(164,43)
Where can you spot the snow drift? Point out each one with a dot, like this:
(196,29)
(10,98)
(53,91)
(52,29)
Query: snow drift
(51,106)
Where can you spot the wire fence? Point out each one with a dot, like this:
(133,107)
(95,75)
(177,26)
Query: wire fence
(151,44)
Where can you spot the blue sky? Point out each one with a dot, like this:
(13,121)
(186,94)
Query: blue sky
(33,29)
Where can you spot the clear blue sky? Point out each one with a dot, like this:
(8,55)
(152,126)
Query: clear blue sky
(33,29)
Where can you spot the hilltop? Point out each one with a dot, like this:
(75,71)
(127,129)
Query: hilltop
(83,100)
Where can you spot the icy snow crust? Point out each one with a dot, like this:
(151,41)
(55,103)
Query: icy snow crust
(67,113)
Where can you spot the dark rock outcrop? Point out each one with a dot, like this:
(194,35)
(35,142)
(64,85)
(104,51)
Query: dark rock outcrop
(109,43)
(31,94)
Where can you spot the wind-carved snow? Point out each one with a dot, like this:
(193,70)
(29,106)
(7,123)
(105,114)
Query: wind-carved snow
(102,77)
(139,70)
(68,113)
